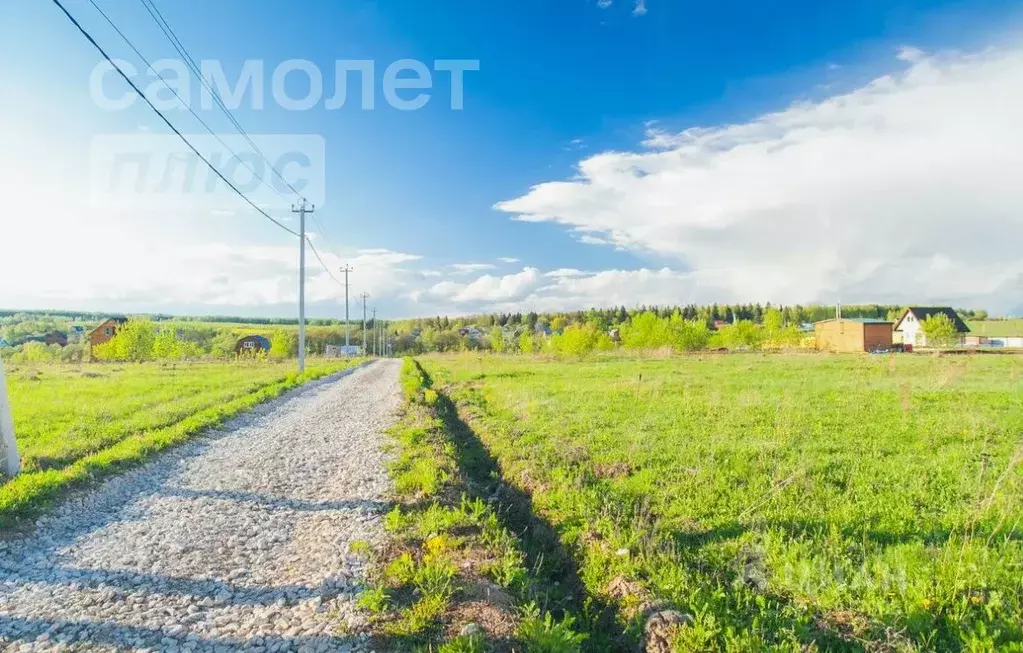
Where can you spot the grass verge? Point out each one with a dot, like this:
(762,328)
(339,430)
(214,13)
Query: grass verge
(463,572)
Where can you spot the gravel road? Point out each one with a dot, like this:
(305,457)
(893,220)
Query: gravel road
(240,540)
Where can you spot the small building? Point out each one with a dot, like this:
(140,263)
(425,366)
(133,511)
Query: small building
(910,325)
(106,330)
(4,344)
(56,338)
(854,335)
(338,351)
(251,345)
(51,338)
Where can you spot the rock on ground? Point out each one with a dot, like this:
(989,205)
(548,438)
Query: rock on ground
(239,540)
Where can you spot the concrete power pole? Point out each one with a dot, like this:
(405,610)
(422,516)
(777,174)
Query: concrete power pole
(376,348)
(301,210)
(365,350)
(10,463)
(346,269)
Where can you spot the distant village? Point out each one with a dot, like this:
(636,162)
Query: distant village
(904,332)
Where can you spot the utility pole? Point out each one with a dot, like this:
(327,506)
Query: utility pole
(301,210)
(346,269)
(376,347)
(10,463)
(364,296)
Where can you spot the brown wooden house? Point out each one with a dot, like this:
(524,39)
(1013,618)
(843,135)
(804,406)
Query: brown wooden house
(853,335)
(105,331)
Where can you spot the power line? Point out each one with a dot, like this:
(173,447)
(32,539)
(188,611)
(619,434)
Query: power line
(190,62)
(180,99)
(324,265)
(169,124)
(168,31)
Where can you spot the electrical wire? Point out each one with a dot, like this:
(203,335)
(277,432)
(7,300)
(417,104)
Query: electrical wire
(168,31)
(325,268)
(169,124)
(180,99)
(189,61)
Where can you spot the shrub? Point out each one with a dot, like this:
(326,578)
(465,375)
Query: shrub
(547,635)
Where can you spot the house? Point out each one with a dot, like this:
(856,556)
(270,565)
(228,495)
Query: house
(251,345)
(853,335)
(107,330)
(910,325)
(473,332)
(56,338)
(51,338)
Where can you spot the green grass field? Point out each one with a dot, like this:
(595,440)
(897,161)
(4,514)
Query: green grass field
(856,502)
(996,328)
(78,422)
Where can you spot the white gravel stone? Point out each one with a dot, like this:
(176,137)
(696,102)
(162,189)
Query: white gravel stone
(236,540)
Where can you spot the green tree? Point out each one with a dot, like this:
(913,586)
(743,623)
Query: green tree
(580,340)
(222,344)
(134,341)
(165,346)
(283,344)
(496,337)
(687,335)
(526,343)
(940,331)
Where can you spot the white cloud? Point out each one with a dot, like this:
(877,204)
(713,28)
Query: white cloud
(640,8)
(487,289)
(508,259)
(566,289)
(465,268)
(906,189)
(566,272)
(604,4)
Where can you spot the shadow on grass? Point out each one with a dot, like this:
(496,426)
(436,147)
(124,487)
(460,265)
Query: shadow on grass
(556,570)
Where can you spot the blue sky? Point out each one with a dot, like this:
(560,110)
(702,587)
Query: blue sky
(571,156)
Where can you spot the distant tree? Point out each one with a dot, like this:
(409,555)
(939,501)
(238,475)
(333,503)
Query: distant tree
(165,346)
(283,344)
(134,340)
(940,331)
(527,344)
(222,345)
(496,338)
(36,352)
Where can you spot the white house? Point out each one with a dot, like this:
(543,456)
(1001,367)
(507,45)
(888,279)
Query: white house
(910,325)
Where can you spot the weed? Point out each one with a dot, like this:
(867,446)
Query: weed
(464,644)
(419,617)
(360,548)
(401,571)
(375,599)
(435,577)
(545,635)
